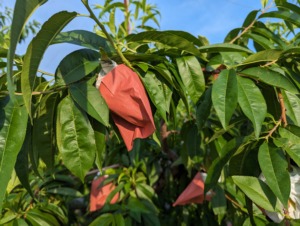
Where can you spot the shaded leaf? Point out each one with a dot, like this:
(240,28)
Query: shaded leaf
(91,101)
(83,38)
(36,49)
(77,65)
(225,96)
(203,109)
(75,138)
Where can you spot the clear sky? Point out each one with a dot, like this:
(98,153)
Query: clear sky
(210,18)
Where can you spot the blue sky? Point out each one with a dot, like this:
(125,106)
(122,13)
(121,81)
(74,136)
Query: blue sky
(210,18)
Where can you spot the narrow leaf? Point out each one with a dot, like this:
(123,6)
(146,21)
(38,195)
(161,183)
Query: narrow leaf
(155,91)
(43,132)
(83,38)
(36,49)
(270,77)
(258,192)
(13,123)
(91,101)
(292,105)
(284,14)
(218,164)
(274,168)
(263,56)
(252,103)
(22,11)
(167,38)
(225,96)
(224,47)
(192,76)
(75,138)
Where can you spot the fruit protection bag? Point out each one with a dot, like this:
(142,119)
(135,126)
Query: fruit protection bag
(127,100)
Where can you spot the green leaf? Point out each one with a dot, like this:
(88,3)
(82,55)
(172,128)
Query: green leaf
(13,123)
(284,14)
(258,192)
(192,76)
(224,47)
(35,52)
(91,101)
(22,163)
(77,65)
(274,167)
(203,109)
(225,96)
(214,171)
(100,138)
(168,38)
(106,219)
(37,217)
(119,219)
(135,205)
(292,105)
(22,11)
(263,56)
(83,38)
(155,91)
(264,3)
(43,132)
(270,77)
(252,103)
(264,42)
(75,138)
(65,191)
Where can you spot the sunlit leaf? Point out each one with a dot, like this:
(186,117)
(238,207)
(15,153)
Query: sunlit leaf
(192,76)
(22,11)
(75,138)
(225,96)
(270,77)
(36,49)
(225,47)
(252,102)
(258,192)
(274,168)
(13,123)
(268,55)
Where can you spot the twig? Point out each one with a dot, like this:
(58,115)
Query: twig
(102,27)
(243,32)
(35,92)
(283,109)
(273,129)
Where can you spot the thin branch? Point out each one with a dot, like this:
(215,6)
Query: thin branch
(283,109)
(273,129)
(110,39)
(243,32)
(35,92)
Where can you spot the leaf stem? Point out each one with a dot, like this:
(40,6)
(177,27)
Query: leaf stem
(283,109)
(108,36)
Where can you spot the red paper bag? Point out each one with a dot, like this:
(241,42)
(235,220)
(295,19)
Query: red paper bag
(127,100)
(194,192)
(99,194)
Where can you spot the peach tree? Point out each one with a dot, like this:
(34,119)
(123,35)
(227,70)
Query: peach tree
(230,110)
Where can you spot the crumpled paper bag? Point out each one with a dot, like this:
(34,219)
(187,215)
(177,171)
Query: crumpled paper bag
(100,192)
(194,192)
(127,100)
